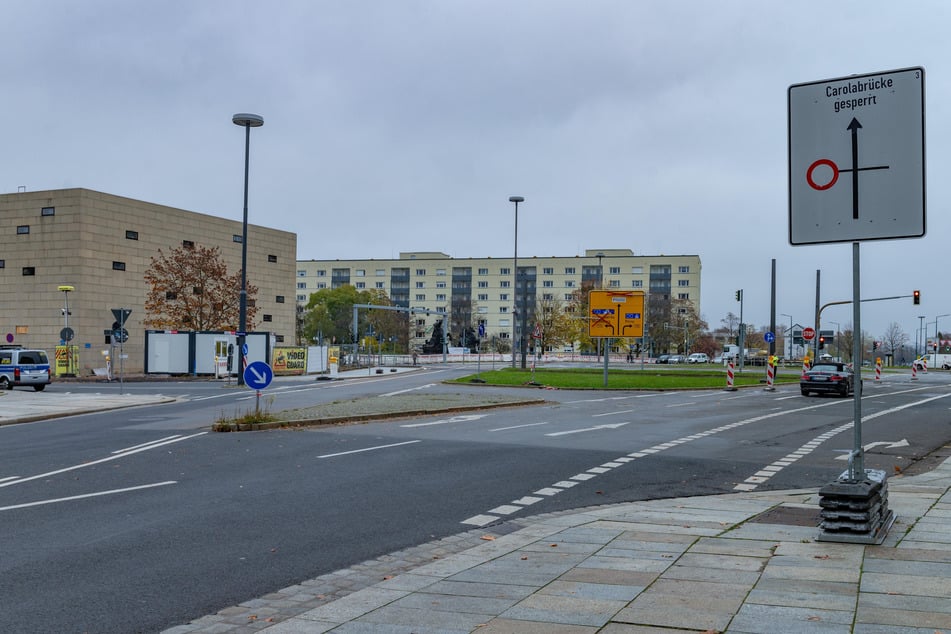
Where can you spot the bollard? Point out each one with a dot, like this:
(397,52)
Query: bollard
(770,374)
(729,377)
(924,365)
(914,371)
(805,364)
(878,369)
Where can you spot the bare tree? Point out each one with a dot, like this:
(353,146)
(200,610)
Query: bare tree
(894,339)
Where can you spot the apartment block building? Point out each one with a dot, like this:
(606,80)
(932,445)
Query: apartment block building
(101,245)
(483,291)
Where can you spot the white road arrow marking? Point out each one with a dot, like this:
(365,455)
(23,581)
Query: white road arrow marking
(595,428)
(888,444)
(445,421)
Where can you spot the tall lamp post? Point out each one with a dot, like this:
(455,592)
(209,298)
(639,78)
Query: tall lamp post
(515,342)
(247,121)
(919,338)
(937,339)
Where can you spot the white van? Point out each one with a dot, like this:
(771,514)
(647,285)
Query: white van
(698,357)
(21,366)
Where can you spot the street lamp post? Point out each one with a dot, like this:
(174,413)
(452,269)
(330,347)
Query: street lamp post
(67,334)
(247,121)
(515,342)
(919,338)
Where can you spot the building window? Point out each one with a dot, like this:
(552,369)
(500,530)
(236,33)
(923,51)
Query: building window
(420,284)
(272,258)
(420,297)
(483,284)
(683,282)
(360,273)
(637,283)
(420,271)
(505,271)
(614,270)
(503,309)
(321,273)
(29,270)
(503,297)
(302,298)
(321,285)
(683,295)
(3,264)
(440,271)
(22,230)
(569,283)
(548,283)
(279,338)
(118,266)
(188,244)
(440,297)
(237,238)
(548,271)
(548,297)
(440,285)
(683,269)
(302,274)
(48,211)
(614,283)
(483,297)
(301,285)
(420,322)
(171,295)
(196,290)
(279,299)
(131,235)
(266,318)
(568,297)
(361,285)
(483,271)
(381,284)
(505,283)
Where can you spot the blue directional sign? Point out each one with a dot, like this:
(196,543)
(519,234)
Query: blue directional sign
(258,375)
(769,337)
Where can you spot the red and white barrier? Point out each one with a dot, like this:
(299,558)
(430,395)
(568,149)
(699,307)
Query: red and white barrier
(914,371)
(878,369)
(729,377)
(924,365)
(770,374)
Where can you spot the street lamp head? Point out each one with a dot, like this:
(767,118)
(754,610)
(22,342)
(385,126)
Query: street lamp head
(516,199)
(66,288)
(247,120)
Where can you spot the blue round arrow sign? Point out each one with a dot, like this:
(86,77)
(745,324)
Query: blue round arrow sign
(258,375)
(769,337)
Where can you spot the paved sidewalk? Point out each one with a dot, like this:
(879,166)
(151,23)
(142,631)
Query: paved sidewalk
(743,562)
(23,406)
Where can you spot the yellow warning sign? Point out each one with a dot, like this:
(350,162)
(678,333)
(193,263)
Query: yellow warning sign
(616,313)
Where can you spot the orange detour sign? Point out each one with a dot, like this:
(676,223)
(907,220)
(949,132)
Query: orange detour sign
(616,314)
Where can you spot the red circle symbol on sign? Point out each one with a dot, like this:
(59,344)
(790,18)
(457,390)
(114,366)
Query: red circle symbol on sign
(808,334)
(819,163)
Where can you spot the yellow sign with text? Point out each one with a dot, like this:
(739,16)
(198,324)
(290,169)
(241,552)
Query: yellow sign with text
(289,360)
(616,313)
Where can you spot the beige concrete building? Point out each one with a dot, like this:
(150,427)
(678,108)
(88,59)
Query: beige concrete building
(102,245)
(436,281)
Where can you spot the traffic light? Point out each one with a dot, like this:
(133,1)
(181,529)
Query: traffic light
(875,345)
(916,295)
(739,295)
(822,342)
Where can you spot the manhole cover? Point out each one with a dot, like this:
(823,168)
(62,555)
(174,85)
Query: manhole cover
(789,515)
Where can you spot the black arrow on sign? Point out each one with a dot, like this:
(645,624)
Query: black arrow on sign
(853,127)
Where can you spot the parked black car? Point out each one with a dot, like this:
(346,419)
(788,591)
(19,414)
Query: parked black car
(828,376)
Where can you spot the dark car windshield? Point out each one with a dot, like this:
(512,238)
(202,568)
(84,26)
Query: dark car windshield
(826,367)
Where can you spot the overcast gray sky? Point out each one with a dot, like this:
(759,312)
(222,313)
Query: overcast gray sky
(405,125)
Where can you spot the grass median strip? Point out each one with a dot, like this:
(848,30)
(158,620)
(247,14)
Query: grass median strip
(633,379)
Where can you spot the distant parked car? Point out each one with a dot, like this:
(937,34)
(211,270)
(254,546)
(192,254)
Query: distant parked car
(828,377)
(676,358)
(664,358)
(698,357)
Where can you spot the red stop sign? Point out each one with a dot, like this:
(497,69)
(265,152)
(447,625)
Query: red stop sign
(808,333)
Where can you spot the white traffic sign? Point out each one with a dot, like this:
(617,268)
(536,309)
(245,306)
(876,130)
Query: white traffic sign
(808,333)
(857,158)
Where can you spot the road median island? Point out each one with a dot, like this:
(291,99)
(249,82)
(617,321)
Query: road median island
(361,410)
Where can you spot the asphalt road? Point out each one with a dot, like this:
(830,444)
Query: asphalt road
(138,520)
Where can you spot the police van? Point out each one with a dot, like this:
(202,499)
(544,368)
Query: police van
(22,366)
